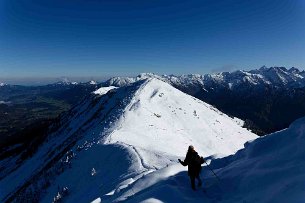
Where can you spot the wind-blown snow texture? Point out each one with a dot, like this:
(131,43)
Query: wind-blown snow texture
(120,141)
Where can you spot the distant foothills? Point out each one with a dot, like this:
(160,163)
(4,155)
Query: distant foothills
(39,81)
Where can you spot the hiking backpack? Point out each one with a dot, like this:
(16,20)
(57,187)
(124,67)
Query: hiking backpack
(197,160)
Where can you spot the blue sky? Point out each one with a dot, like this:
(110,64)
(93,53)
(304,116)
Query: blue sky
(95,38)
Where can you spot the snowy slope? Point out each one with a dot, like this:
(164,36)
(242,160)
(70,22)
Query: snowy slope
(269,169)
(173,120)
(118,136)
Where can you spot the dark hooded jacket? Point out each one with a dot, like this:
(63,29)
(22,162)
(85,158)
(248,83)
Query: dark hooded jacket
(194,167)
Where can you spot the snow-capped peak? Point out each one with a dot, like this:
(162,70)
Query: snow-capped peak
(92,82)
(66,81)
(294,70)
(263,68)
(147,75)
(158,106)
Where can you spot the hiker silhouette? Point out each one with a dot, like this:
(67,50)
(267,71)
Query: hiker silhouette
(193,161)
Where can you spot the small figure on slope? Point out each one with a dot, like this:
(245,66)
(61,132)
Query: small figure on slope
(193,161)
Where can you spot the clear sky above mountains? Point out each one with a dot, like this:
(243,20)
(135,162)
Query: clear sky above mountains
(53,38)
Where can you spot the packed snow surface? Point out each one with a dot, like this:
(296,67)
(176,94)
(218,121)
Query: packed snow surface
(121,144)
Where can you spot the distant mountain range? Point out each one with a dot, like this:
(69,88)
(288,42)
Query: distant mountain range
(273,76)
(268,99)
(67,81)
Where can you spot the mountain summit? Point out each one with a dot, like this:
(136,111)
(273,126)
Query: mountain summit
(116,137)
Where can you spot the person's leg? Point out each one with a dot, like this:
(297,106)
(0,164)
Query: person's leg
(199,180)
(193,182)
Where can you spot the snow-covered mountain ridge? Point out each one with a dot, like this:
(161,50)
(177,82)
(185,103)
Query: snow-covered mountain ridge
(276,76)
(258,97)
(117,136)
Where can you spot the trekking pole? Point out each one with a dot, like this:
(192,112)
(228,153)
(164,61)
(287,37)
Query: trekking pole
(212,171)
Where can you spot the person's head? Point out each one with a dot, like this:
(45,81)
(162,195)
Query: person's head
(191,148)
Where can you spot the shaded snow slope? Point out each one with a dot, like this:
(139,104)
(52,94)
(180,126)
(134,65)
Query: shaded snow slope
(118,136)
(269,169)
